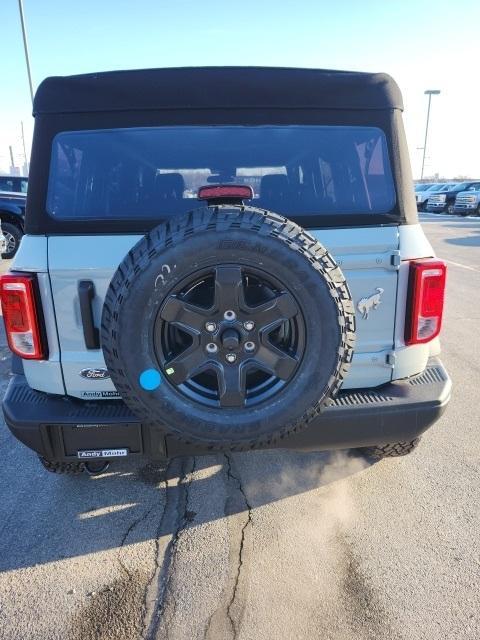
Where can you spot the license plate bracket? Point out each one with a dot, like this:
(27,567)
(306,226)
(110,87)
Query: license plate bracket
(101,454)
(98,437)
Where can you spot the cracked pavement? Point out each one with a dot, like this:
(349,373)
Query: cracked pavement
(265,545)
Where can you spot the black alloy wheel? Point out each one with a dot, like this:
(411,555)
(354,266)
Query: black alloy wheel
(229,336)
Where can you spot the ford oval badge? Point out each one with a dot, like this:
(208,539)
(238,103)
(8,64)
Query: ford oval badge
(95,374)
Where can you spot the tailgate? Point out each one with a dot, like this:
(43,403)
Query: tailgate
(368,257)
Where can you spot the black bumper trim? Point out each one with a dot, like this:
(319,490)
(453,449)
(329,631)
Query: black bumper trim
(57,427)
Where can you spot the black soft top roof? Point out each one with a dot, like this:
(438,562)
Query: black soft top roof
(217,87)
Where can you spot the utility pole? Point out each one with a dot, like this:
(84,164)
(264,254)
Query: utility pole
(25,46)
(429,93)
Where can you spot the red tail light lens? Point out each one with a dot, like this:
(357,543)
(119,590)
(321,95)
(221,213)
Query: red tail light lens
(215,191)
(17,293)
(426,292)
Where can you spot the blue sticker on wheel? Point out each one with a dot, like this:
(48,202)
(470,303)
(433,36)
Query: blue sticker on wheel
(150,379)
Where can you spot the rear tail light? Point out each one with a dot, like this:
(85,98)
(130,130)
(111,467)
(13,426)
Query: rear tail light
(20,314)
(426,292)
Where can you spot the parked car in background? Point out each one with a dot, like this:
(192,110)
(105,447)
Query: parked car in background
(423,195)
(445,201)
(421,190)
(12,215)
(467,203)
(13,185)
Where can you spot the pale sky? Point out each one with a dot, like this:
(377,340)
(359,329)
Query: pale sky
(423,44)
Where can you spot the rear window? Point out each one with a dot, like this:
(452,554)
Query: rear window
(155,172)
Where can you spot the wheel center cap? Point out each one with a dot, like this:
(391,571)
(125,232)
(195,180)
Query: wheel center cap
(230,339)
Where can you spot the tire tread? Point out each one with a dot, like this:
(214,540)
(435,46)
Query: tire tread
(391,450)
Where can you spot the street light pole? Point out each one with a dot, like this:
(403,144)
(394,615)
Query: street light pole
(429,93)
(25,46)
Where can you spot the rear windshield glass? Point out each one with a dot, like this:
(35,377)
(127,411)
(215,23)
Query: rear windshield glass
(156,172)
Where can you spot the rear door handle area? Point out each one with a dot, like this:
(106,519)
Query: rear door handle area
(86,294)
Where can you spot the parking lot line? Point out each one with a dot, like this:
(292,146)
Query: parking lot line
(463,266)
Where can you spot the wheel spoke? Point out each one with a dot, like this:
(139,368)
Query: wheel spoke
(229,292)
(280,309)
(275,361)
(186,365)
(231,386)
(184,315)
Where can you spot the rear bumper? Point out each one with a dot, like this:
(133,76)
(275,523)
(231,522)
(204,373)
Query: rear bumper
(58,427)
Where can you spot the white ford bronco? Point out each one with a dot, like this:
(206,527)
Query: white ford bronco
(221,259)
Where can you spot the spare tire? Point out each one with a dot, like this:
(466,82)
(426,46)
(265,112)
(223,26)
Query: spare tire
(230,326)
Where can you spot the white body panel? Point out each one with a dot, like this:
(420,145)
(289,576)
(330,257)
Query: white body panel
(369,257)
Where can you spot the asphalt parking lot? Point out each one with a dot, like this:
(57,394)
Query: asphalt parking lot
(265,545)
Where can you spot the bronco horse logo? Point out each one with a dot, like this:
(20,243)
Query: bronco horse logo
(365,305)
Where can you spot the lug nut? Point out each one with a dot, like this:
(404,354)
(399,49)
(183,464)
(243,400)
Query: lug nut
(211,347)
(249,346)
(230,357)
(249,325)
(210,326)
(229,315)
